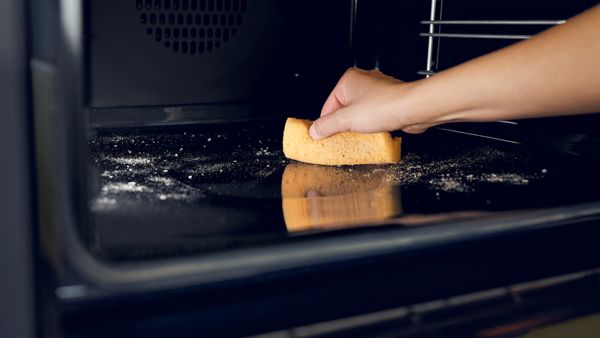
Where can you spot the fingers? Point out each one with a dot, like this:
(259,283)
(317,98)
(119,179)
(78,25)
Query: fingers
(357,92)
(329,124)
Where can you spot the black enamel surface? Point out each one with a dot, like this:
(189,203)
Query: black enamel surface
(184,191)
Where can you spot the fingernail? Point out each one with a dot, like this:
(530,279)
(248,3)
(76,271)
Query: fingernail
(312,131)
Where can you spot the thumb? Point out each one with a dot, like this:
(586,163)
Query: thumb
(330,124)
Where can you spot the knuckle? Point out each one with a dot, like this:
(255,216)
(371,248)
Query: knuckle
(342,95)
(352,72)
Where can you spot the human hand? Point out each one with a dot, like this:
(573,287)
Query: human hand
(367,102)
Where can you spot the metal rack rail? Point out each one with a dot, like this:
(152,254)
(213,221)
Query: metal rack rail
(434,33)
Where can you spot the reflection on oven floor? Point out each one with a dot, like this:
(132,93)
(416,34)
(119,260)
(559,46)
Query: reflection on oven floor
(177,192)
(322,197)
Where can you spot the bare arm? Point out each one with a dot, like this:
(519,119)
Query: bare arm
(557,72)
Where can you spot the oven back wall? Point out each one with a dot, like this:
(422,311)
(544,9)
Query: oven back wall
(170,52)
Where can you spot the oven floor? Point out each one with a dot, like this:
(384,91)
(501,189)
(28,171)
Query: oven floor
(188,190)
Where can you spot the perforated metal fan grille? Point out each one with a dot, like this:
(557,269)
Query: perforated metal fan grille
(192,26)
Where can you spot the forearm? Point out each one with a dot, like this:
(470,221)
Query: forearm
(554,73)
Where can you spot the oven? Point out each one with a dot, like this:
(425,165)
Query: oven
(164,205)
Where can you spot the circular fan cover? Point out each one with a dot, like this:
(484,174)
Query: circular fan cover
(192,27)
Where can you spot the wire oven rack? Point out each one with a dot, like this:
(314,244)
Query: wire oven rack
(435,34)
(479,30)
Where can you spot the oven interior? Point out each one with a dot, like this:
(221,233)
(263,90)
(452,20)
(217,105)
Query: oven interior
(183,181)
(191,190)
(184,165)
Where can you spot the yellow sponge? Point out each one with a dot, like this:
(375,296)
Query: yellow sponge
(341,149)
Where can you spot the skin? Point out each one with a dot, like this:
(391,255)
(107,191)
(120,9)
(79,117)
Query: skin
(557,72)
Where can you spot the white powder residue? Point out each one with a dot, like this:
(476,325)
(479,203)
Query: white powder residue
(103,203)
(513,179)
(153,189)
(171,167)
(203,169)
(124,173)
(465,183)
(116,188)
(461,173)
(195,159)
(263,152)
(174,196)
(450,184)
(162,180)
(130,160)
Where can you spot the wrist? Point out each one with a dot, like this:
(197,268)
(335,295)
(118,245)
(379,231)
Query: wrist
(427,103)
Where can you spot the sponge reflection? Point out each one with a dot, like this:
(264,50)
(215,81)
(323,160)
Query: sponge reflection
(323,197)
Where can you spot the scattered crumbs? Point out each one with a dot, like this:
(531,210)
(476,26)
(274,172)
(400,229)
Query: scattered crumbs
(123,187)
(460,173)
(163,180)
(514,179)
(149,189)
(194,159)
(449,184)
(130,160)
(155,168)
(263,152)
